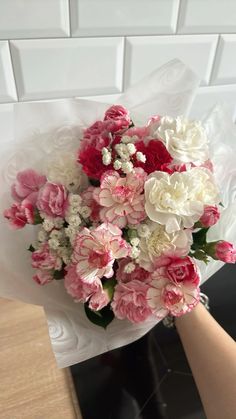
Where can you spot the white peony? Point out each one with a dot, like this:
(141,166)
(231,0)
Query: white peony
(185,140)
(64,169)
(159,243)
(177,201)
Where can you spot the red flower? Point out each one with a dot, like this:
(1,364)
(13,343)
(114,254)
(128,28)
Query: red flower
(157,156)
(91,160)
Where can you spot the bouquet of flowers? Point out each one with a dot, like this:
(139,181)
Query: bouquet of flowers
(121,213)
(125,238)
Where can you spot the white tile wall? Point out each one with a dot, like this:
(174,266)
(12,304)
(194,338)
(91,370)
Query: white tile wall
(53,68)
(144,54)
(207,16)
(64,48)
(33,18)
(123,17)
(225,62)
(7,82)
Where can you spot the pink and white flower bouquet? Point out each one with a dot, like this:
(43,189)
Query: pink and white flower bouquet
(121,216)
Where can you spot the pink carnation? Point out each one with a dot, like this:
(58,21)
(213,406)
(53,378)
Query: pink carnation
(53,200)
(43,277)
(210,216)
(44,258)
(20,214)
(138,273)
(96,250)
(225,252)
(122,198)
(130,301)
(96,135)
(27,185)
(174,288)
(81,291)
(89,201)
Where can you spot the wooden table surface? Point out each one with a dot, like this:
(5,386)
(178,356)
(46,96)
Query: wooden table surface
(31,384)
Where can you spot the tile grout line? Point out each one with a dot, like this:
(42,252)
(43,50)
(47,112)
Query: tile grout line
(69,17)
(178,18)
(214,62)
(13,71)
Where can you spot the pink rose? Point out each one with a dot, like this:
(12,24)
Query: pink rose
(182,270)
(210,216)
(75,286)
(225,251)
(138,273)
(96,135)
(43,277)
(44,258)
(117,119)
(99,300)
(117,112)
(53,199)
(130,301)
(27,185)
(20,214)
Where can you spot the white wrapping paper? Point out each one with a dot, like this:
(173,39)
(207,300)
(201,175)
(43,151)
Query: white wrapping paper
(43,127)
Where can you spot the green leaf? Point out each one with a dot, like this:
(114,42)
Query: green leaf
(200,255)
(94,182)
(58,274)
(101,318)
(37,218)
(31,248)
(109,286)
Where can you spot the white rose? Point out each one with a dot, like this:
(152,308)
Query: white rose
(65,170)
(178,200)
(159,242)
(185,140)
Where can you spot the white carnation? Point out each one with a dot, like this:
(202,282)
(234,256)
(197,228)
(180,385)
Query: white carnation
(185,140)
(159,242)
(178,200)
(65,170)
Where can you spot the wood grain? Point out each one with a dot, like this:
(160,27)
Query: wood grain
(31,385)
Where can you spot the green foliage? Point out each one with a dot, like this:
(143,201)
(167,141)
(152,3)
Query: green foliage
(101,318)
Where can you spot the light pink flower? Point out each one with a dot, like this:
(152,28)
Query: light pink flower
(43,277)
(210,216)
(96,250)
(27,185)
(53,199)
(44,258)
(117,112)
(20,214)
(130,301)
(138,273)
(81,291)
(96,135)
(225,251)
(89,201)
(174,288)
(99,300)
(140,132)
(122,197)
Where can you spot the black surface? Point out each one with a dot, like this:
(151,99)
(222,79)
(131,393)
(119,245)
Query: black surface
(150,378)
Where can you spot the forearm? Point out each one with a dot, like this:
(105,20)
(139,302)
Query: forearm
(211,353)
